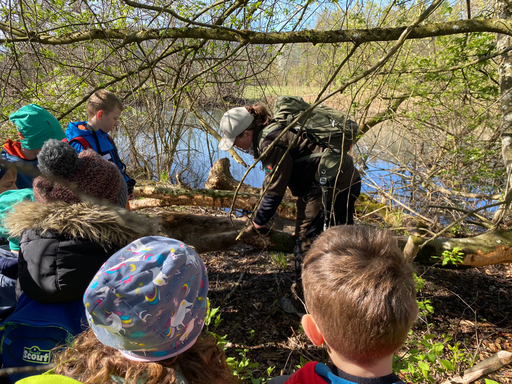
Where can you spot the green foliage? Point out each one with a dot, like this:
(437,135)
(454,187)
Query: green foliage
(164,177)
(242,367)
(454,256)
(279,260)
(240,364)
(419,281)
(212,314)
(425,308)
(302,362)
(426,356)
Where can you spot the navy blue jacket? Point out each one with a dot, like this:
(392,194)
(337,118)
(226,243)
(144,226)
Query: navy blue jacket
(99,141)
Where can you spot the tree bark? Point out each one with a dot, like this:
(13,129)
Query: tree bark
(213,233)
(504,10)
(210,234)
(204,198)
(220,178)
(492,247)
(483,368)
(358,36)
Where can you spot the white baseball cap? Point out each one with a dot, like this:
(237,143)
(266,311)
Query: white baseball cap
(233,123)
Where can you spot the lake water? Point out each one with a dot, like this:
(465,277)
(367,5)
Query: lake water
(386,169)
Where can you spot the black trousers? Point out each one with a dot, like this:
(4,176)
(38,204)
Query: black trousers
(328,206)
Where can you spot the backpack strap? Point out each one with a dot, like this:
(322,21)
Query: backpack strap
(269,133)
(82,141)
(307,157)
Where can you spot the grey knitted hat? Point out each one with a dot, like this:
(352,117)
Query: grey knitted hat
(87,171)
(149,299)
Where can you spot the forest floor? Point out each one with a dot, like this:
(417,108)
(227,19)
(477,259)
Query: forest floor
(472,306)
(470,317)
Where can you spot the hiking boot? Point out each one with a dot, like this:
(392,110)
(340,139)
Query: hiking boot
(287,306)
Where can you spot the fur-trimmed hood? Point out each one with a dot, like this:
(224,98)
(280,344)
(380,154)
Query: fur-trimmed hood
(104,225)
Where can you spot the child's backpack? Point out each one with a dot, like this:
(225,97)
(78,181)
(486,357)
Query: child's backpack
(325,126)
(29,335)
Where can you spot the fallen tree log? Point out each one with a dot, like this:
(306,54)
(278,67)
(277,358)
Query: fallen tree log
(483,368)
(204,198)
(218,193)
(214,233)
(491,247)
(211,233)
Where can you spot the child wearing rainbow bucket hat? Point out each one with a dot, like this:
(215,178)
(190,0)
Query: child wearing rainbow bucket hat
(146,308)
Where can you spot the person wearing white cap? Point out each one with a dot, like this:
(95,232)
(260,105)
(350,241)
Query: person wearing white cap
(233,124)
(290,164)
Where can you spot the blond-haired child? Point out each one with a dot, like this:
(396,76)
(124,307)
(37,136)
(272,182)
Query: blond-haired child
(104,109)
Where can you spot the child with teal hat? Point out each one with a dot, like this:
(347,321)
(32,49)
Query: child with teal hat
(10,195)
(35,126)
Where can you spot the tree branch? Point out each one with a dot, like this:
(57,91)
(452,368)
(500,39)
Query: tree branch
(357,36)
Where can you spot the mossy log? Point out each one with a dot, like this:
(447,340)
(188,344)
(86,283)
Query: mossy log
(203,198)
(211,233)
(491,247)
(214,233)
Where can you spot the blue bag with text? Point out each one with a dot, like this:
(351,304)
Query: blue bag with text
(29,335)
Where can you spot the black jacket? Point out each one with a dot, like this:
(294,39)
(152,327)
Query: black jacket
(62,246)
(299,176)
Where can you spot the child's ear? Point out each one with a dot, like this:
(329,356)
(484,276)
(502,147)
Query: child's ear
(99,115)
(311,329)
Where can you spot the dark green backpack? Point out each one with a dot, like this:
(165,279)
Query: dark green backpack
(325,126)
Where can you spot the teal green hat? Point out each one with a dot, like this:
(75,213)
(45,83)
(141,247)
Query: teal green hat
(8,200)
(36,125)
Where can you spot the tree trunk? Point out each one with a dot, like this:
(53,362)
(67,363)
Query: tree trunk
(203,198)
(211,233)
(504,11)
(220,178)
(492,247)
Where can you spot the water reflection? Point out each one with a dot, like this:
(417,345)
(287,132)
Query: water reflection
(390,164)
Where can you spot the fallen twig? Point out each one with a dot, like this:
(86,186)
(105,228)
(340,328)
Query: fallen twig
(235,287)
(483,368)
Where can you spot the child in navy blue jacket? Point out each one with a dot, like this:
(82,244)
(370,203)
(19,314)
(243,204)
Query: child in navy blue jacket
(361,298)
(104,110)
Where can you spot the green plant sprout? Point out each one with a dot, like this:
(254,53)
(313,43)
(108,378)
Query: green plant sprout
(455,256)
(280,260)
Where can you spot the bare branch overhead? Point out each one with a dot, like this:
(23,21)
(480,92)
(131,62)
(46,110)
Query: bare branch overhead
(250,37)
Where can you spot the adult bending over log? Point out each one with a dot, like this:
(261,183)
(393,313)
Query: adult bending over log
(293,160)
